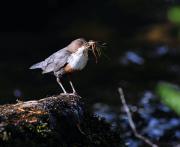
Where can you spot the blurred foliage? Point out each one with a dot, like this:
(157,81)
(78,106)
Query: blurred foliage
(170,96)
(174,14)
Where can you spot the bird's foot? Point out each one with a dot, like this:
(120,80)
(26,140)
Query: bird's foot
(65,93)
(71,94)
(75,94)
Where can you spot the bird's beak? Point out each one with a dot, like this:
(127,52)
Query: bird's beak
(94,49)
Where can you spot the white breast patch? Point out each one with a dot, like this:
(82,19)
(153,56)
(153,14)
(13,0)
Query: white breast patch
(78,60)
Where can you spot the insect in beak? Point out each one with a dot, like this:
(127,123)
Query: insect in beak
(95,49)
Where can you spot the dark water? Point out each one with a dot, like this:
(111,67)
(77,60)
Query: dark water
(143,49)
(144,70)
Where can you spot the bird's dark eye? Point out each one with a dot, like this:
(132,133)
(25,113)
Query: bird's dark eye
(86,44)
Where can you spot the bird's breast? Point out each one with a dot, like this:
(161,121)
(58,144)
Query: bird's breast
(78,61)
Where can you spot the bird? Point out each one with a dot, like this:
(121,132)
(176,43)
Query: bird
(72,58)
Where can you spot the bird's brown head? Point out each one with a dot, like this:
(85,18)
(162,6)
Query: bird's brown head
(74,45)
(91,45)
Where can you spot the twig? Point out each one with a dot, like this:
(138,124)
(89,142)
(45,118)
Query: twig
(131,122)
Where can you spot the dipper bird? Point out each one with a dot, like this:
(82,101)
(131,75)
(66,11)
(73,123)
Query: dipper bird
(72,58)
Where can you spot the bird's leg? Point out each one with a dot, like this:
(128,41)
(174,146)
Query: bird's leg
(72,86)
(74,91)
(59,82)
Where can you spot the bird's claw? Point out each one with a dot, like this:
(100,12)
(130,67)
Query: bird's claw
(71,94)
(64,93)
(75,94)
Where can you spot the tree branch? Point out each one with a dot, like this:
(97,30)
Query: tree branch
(131,122)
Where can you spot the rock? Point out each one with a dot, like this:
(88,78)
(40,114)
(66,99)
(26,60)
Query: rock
(60,120)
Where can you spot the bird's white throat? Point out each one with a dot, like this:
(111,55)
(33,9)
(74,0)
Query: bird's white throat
(78,60)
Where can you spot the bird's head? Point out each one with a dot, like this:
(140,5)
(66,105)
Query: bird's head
(76,44)
(82,44)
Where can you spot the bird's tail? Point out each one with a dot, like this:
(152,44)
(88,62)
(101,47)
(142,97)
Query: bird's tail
(37,65)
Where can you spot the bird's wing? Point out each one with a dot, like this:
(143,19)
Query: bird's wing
(56,61)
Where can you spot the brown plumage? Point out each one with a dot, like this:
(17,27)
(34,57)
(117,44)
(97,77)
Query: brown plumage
(67,60)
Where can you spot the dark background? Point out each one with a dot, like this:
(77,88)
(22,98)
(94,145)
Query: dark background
(142,37)
(30,32)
